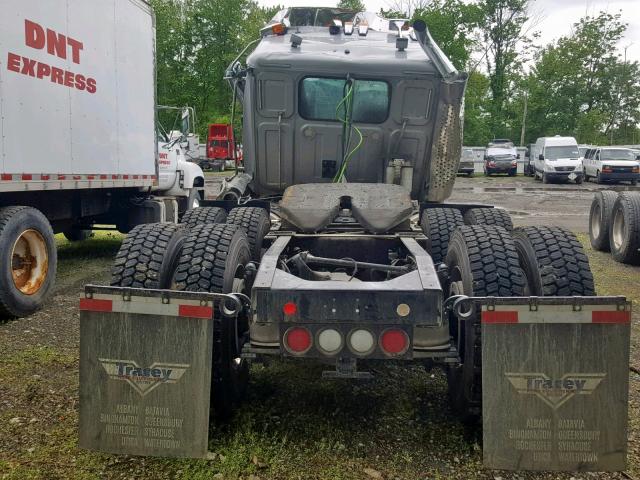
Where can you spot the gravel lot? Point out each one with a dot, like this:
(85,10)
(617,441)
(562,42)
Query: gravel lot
(293,425)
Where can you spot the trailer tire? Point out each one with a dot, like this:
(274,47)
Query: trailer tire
(204,216)
(148,256)
(256,222)
(624,231)
(600,219)
(553,261)
(482,261)
(438,225)
(25,233)
(213,260)
(488,216)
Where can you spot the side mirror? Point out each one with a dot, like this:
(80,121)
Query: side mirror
(541,157)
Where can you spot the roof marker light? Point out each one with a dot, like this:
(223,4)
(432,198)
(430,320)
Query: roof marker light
(348,28)
(274,29)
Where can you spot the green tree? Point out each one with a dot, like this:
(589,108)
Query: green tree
(477,129)
(195,42)
(356,5)
(451,24)
(581,86)
(502,32)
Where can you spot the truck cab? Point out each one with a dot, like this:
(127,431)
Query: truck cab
(307,83)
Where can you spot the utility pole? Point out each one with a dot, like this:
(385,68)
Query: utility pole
(524,119)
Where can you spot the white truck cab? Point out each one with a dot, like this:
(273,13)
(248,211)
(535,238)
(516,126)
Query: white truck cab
(557,159)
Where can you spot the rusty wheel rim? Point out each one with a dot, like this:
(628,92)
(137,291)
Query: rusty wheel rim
(29,262)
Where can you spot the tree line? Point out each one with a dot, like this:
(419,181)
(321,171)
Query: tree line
(578,85)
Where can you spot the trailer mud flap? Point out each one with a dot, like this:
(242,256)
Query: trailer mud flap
(555,381)
(145,371)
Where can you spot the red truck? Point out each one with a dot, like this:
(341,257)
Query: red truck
(220,145)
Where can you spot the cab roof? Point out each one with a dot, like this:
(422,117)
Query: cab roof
(375,53)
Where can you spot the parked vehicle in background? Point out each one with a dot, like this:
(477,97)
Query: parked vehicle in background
(467,162)
(222,151)
(102,165)
(583,149)
(612,164)
(501,157)
(557,159)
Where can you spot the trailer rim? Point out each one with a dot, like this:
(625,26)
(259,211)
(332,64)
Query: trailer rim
(29,262)
(618,229)
(596,218)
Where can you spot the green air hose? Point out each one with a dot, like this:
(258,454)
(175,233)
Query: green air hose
(347,123)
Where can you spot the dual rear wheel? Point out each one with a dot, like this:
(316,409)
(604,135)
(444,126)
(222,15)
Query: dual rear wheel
(614,225)
(200,255)
(490,260)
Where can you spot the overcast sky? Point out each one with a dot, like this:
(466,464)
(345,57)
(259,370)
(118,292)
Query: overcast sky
(558,16)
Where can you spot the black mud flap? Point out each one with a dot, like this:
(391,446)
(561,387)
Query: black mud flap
(555,382)
(145,371)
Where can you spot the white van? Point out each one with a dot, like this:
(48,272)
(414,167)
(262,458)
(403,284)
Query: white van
(557,158)
(612,164)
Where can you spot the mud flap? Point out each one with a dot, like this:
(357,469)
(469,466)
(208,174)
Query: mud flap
(555,381)
(145,371)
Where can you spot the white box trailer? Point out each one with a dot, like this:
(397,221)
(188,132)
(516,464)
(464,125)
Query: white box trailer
(78,143)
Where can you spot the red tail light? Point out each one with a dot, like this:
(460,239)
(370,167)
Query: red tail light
(297,340)
(635,170)
(492,164)
(394,341)
(607,169)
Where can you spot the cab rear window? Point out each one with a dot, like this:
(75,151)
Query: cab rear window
(320,98)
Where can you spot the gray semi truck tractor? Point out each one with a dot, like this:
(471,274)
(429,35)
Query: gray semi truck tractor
(335,244)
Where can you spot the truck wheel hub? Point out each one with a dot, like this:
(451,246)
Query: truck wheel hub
(29,262)
(618,228)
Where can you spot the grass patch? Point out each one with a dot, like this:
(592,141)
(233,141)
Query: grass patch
(88,256)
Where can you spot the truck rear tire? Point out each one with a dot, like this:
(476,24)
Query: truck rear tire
(624,232)
(482,261)
(553,261)
(204,216)
(256,222)
(488,216)
(213,259)
(438,225)
(28,261)
(148,256)
(600,219)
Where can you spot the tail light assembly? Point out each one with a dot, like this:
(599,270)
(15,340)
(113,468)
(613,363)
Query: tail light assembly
(394,341)
(298,340)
